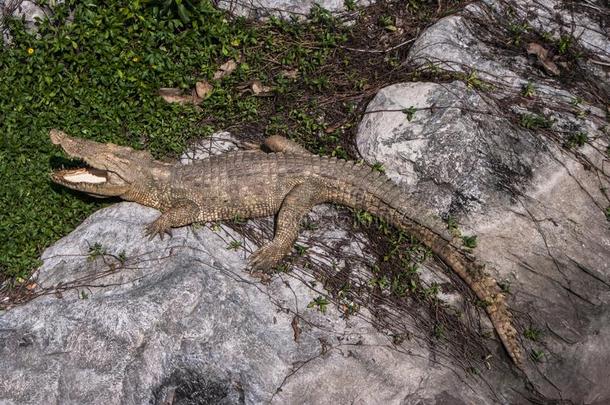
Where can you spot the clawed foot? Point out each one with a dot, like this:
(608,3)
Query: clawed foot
(158,228)
(266,257)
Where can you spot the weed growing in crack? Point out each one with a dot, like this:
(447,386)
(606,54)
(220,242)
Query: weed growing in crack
(409,112)
(537,355)
(577,139)
(234,245)
(535,121)
(95,251)
(469,242)
(532,334)
(528,90)
(320,303)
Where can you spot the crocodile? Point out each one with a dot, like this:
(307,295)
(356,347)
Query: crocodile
(287,182)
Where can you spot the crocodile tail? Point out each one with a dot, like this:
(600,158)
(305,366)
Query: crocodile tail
(482,284)
(379,195)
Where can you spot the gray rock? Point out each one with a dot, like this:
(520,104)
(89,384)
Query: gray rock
(537,209)
(282,8)
(180,321)
(455,152)
(464,43)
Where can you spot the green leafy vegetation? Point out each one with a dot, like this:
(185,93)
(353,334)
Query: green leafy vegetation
(535,121)
(469,242)
(532,334)
(320,303)
(564,43)
(517,30)
(300,249)
(378,167)
(234,245)
(504,286)
(577,139)
(95,251)
(387,22)
(537,355)
(528,90)
(409,112)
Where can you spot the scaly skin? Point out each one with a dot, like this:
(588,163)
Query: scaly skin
(288,182)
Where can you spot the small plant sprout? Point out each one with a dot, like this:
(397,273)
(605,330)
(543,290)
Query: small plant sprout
(578,139)
(350,5)
(122,257)
(452,226)
(439,331)
(482,303)
(378,167)
(95,251)
(517,30)
(535,121)
(239,220)
(409,112)
(300,249)
(387,22)
(381,282)
(607,213)
(537,355)
(282,268)
(528,90)
(363,218)
(432,291)
(320,303)
(565,41)
(470,242)
(473,81)
(234,245)
(532,334)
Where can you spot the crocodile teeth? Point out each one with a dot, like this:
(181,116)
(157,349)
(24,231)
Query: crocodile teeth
(85,176)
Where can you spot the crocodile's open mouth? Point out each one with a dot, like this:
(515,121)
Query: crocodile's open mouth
(95,182)
(102,174)
(84,175)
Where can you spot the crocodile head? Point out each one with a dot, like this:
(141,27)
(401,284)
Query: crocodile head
(112,171)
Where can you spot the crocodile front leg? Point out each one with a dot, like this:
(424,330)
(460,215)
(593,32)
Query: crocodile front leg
(298,202)
(182,213)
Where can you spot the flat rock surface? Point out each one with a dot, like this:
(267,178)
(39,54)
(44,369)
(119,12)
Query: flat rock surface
(180,321)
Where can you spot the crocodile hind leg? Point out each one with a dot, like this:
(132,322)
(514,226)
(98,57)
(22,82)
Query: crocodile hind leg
(278,143)
(297,203)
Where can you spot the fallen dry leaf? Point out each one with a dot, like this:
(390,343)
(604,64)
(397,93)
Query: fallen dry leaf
(259,89)
(290,74)
(172,95)
(543,57)
(225,69)
(296,329)
(203,89)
